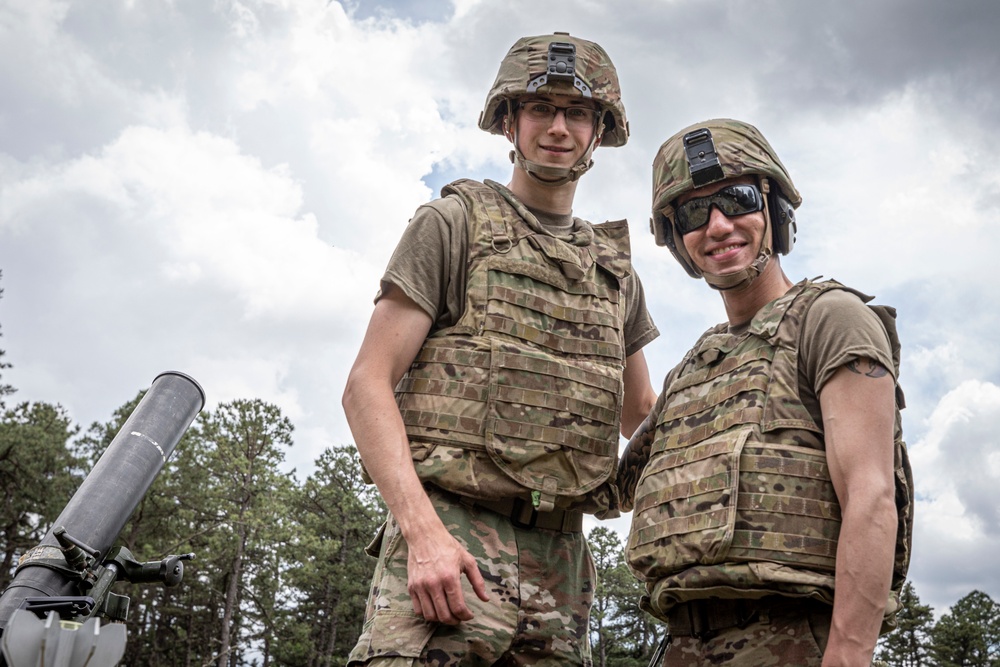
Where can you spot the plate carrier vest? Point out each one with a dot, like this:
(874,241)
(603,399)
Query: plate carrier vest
(527,386)
(736,498)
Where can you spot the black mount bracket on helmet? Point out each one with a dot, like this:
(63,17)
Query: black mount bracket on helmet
(699,147)
(561,68)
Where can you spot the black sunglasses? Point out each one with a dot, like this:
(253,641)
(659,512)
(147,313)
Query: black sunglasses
(735,200)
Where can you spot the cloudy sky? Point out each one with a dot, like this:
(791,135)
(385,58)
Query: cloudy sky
(215,187)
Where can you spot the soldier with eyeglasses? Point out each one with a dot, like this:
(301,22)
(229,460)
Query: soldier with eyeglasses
(502,363)
(770,487)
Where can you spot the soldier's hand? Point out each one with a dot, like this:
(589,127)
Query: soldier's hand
(435,571)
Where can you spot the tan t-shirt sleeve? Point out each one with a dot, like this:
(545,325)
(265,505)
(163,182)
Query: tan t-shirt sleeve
(428,264)
(639,326)
(839,328)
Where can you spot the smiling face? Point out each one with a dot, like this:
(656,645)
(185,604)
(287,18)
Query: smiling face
(554,142)
(724,245)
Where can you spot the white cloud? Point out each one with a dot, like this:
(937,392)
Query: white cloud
(886,188)
(216,218)
(956,474)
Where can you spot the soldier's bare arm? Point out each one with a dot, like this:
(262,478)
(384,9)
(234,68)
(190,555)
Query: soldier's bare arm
(639,394)
(437,561)
(858,419)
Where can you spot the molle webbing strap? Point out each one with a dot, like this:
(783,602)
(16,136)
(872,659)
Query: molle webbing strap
(555,369)
(454,426)
(542,305)
(453,355)
(815,551)
(471,392)
(550,435)
(546,399)
(812,465)
(826,509)
(715,397)
(741,417)
(811,507)
(551,340)
(681,490)
(724,367)
(547,274)
(716,519)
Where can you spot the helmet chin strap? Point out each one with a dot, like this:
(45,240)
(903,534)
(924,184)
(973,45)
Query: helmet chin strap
(551,176)
(542,174)
(744,277)
(740,279)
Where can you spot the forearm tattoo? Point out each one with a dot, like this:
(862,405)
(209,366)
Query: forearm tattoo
(868,367)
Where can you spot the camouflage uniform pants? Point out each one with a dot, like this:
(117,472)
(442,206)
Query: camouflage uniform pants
(789,639)
(540,583)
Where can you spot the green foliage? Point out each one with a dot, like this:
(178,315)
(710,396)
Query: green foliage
(248,493)
(909,644)
(336,515)
(38,474)
(622,635)
(969,635)
(5,389)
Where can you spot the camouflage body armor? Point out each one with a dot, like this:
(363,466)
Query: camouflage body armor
(522,396)
(736,499)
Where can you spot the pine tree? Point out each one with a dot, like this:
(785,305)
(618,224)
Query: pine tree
(5,389)
(336,515)
(247,439)
(909,644)
(969,635)
(38,475)
(605,547)
(622,635)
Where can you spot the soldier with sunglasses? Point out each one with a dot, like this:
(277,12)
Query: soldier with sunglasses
(501,364)
(770,487)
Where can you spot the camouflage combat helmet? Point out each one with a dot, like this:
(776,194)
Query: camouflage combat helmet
(557,64)
(713,151)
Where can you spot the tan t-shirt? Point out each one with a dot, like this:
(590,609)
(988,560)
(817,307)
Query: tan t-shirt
(838,328)
(430,266)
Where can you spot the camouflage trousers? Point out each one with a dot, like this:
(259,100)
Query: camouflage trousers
(540,584)
(791,638)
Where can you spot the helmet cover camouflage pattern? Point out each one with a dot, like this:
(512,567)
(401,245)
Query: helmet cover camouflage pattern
(741,149)
(528,59)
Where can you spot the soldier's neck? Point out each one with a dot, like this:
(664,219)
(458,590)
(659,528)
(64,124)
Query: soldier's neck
(557,200)
(743,304)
